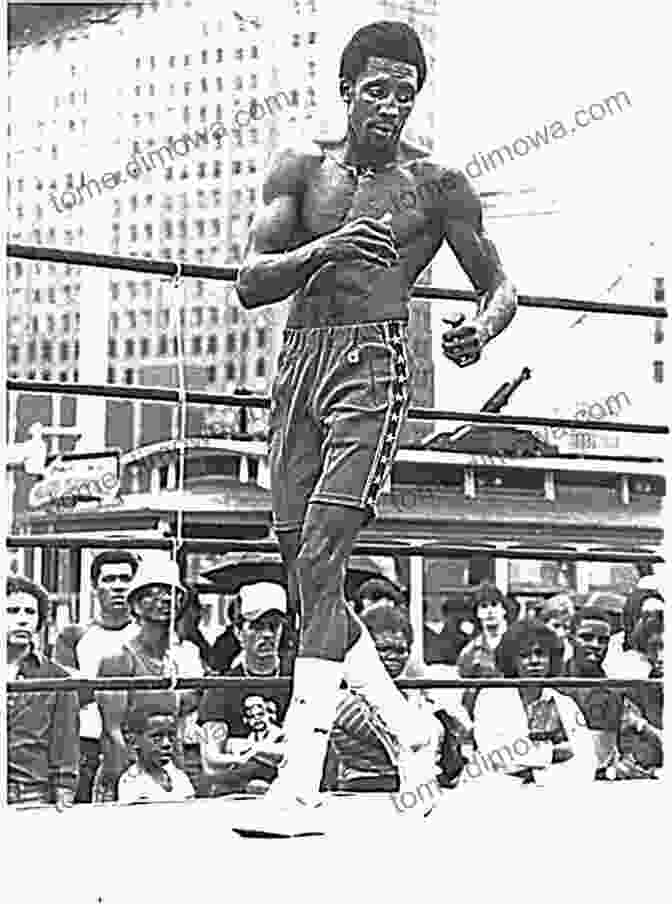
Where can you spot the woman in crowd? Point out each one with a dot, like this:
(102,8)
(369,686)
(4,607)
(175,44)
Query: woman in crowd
(531,734)
(623,660)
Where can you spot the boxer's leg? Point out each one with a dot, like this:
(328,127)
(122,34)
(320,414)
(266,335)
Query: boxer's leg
(329,629)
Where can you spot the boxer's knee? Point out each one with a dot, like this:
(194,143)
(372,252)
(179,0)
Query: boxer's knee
(319,563)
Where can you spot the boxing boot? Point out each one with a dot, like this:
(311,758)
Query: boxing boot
(292,806)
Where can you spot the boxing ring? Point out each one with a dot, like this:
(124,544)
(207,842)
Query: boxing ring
(201,829)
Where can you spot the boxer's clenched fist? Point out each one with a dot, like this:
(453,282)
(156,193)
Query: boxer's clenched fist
(463,342)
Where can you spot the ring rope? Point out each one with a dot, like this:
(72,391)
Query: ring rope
(179,316)
(156,394)
(230,274)
(35,685)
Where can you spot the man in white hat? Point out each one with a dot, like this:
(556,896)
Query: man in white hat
(156,598)
(260,618)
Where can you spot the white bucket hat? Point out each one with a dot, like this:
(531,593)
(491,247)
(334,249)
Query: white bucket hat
(154,572)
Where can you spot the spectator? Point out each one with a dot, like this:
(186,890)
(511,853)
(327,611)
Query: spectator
(557,612)
(377,590)
(226,647)
(601,708)
(622,660)
(154,777)
(259,624)
(246,764)
(362,753)
(188,627)
(613,605)
(537,734)
(494,612)
(155,590)
(444,641)
(80,649)
(42,728)
(642,728)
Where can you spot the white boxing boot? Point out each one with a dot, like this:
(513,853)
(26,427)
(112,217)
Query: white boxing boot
(292,805)
(416,759)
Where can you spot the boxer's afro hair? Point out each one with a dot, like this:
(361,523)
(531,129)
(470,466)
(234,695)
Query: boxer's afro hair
(392,40)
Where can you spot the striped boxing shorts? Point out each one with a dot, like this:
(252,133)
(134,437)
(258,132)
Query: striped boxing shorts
(338,405)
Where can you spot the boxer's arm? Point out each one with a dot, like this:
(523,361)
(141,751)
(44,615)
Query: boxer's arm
(270,271)
(478,257)
(279,260)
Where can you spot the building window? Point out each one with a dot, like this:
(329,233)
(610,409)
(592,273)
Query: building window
(211,374)
(32,351)
(64,351)
(129,348)
(239,54)
(114,321)
(261,367)
(144,348)
(261,337)
(46,352)
(230,343)
(163,345)
(204,56)
(111,375)
(197,345)
(212,346)
(230,371)
(112,348)
(13,354)
(657,371)
(245,340)
(128,376)
(254,52)
(658,334)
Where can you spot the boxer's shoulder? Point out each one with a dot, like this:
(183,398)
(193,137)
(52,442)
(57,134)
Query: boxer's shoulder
(292,166)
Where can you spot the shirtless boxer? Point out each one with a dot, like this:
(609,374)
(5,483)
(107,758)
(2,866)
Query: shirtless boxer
(336,232)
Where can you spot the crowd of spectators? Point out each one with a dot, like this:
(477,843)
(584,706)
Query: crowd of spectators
(132,746)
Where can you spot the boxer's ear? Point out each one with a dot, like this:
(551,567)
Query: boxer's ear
(345,88)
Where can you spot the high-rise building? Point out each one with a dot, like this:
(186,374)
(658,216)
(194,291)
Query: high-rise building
(164,160)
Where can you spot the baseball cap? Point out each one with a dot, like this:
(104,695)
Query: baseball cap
(264,596)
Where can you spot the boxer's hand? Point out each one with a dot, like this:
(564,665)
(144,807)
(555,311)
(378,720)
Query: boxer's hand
(364,239)
(463,342)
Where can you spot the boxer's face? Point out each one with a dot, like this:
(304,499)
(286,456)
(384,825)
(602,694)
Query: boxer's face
(380,101)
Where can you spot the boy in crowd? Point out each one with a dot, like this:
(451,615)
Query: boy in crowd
(154,777)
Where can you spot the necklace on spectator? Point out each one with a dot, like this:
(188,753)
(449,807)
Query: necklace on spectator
(156,664)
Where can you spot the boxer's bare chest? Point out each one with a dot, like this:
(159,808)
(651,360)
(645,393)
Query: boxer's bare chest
(337,194)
